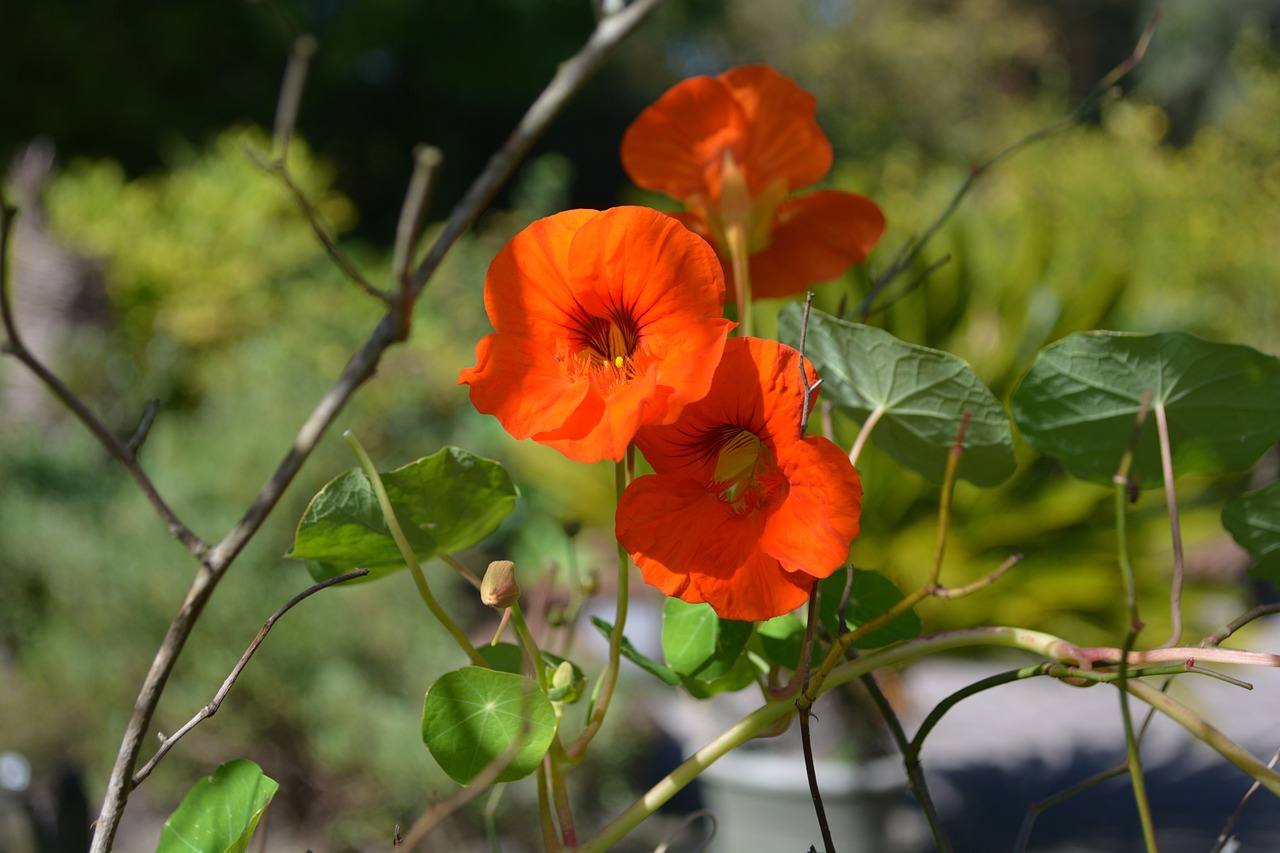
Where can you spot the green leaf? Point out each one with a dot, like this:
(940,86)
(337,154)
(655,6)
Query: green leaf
(508,657)
(1254,522)
(664,674)
(220,812)
(872,594)
(780,640)
(918,394)
(699,644)
(742,674)
(473,716)
(444,502)
(1079,401)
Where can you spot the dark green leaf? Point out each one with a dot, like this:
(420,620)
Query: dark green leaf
(1254,522)
(780,640)
(872,594)
(473,716)
(742,674)
(444,502)
(697,643)
(664,674)
(918,394)
(220,812)
(1079,401)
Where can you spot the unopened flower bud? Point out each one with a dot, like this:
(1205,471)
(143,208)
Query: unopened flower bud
(499,588)
(566,685)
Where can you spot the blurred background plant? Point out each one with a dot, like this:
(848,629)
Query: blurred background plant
(1158,213)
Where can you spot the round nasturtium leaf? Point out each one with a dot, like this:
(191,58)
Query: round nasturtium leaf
(1254,521)
(220,812)
(473,717)
(1079,401)
(919,396)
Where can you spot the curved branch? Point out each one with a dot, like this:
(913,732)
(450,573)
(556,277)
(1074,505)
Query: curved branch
(393,327)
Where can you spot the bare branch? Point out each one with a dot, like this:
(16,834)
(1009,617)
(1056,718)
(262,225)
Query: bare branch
(18,349)
(295,77)
(569,79)
(912,248)
(212,708)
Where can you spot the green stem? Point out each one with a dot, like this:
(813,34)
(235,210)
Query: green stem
(867,425)
(603,692)
(1224,746)
(1175,527)
(740,257)
(1120,484)
(406,551)
(531,651)
(768,714)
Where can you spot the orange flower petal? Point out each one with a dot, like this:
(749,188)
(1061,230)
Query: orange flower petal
(605,322)
(756,387)
(529,282)
(521,384)
(785,141)
(811,528)
(676,146)
(711,555)
(816,238)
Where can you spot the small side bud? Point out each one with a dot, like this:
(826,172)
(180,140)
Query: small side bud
(566,684)
(499,588)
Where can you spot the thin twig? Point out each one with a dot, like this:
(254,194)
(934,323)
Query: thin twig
(295,78)
(912,248)
(804,374)
(143,429)
(980,583)
(806,742)
(1120,483)
(426,166)
(910,759)
(212,708)
(109,441)
(1235,625)
(1225,835)
(703,815)
(323,233)
(569,79)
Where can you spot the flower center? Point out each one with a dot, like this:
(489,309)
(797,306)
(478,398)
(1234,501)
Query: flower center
(605,351)
(746,476)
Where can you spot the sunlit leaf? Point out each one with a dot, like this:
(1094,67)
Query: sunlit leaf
(918,394)
(473,717)
(699,644)
(871,595)
(445,502)
(1079,402)
(1254,522)
(220,812)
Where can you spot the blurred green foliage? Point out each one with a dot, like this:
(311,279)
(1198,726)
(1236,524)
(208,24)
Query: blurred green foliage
(229,313)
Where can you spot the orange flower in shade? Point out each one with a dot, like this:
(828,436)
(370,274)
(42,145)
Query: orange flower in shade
(742,511)
(605,322)
(732,148)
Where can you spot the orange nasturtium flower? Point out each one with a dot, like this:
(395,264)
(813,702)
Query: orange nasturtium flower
(733,148)
(742,511)
(605,322)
